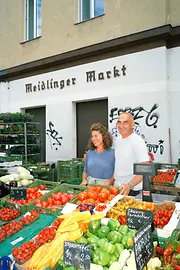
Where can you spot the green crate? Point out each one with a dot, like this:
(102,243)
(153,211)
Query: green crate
(28,206)
(62,188)
(161,240)
(72,182)
(11,158)
(48,184)
(68,170)
(27,233)
(43,172)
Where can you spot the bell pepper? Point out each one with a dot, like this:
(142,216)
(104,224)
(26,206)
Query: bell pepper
(88,234)
(124,240)
(123,229)
(94,226)
(160,250)
(129,242)
(114,258)
(114,237)
(110,248)
(93,246)
(168,250)
(101,257)
(92,239)
(101,242)
(176,266)
(82,240)
(103,231)
(113,224)
(118,249)
(175,239)
(131,233)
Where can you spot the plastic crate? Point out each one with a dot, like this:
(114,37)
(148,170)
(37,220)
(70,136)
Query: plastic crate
(68,170)
(26,234)
(62,188)
(161,240)
(6,264)
(72,182)
(48,184)
(165,166)
(28,206)
(42,172)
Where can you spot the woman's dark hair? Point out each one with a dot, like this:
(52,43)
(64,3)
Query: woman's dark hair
(107,138)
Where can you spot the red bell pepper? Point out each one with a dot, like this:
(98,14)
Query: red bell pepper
(176,267)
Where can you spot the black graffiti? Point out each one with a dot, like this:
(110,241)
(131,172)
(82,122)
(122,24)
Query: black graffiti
(151,117)
(53,134)
(153,148)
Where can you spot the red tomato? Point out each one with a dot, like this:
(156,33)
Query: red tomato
(114,190)
(71,196)
(91,195)
(98,189)
(102,196)
(82,196)
(42,187)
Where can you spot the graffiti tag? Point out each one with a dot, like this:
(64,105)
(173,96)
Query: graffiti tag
(150,116)
(52,133)
(153,148)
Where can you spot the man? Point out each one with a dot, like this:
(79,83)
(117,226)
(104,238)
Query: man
(130,148)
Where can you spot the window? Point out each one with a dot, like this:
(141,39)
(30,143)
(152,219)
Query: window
(32,19)
(90,9)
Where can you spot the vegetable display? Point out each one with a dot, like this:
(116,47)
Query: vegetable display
(55,200)
(96,195)
(165,176)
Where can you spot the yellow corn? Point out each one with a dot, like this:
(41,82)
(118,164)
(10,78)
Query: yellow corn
(97,216)
(75,235)
(67,215)
(79,216)
(39,253)
(69,228)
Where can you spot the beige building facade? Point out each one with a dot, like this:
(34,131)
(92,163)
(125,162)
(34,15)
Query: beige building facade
(62,31)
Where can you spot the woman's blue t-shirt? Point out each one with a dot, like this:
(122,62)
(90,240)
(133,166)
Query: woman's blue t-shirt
(100,165)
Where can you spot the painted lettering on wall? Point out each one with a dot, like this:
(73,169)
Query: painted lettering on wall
(55,140)
(90,76)
(153,148)
(49,84)
(150,116)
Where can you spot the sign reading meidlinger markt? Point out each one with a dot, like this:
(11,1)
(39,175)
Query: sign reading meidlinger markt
(91,76)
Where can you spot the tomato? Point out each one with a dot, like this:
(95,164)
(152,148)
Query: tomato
(91,195)
(64,198)
(114,190)
(98,189)
(42,187)
(82,196)
(102,196)
(71,196)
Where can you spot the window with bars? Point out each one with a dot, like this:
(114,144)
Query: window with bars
(90,8)
(32,19)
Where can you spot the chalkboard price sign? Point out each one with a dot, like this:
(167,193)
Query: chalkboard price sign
(136,218)
(77,255)
(143,246)
(18,193)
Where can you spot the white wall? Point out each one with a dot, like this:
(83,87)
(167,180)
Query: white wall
(144,85)
(174,99)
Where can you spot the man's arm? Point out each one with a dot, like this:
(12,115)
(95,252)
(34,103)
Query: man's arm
(125,188)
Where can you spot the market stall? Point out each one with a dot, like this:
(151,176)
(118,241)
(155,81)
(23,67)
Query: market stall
(46,230)
(57,225)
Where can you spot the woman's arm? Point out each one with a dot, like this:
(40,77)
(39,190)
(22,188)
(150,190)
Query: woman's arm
(84,179)
(110,181)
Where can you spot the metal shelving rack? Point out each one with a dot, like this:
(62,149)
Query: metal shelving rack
(25,132)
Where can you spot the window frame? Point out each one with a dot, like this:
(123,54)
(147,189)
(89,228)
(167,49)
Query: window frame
(92,10)
(26,20)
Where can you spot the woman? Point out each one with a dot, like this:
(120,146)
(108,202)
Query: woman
(100,159)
